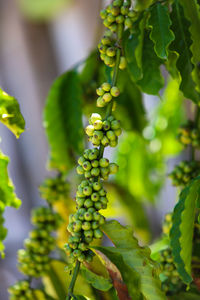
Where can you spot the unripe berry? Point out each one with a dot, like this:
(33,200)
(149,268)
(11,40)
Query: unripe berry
(77,253)
(98,234)
(95,172)
(110,18)
(103,14)
(106,23)
(128,23)
(111,51)
(81,257)
(86,153)
(104,162)
(88,216)
(104,171)
(86,226)
(91,210)
(95,225)
(87,190)
(103,200)
(117,2)
(83,183)
(105,141)
(94,117)
(102,192)
(109,61)
(79,192)
(95,197)
(118,132)
(101,102)
(110,118)
(98,134)
(98,205)
(70,227)
(115,11)
(81,160)
(115,92)
(88,203)
(88,233)
(98,124)
(106,86)
(96,141)
(80,170)
(82,246)
(124,10)
(77,226)
(89,130)
(113,27)
(106,41)
(100,91)
(113,168)
(132,14)
(115,124)
(113,143)
(95,163)
(123,63)
(107,97)
(110,135)
(80,201)
(97,186)
(87,174)
(120,19)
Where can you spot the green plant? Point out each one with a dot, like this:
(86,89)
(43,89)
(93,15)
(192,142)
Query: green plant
(140,37)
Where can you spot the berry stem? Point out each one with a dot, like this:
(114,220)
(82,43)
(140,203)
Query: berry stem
(73,281)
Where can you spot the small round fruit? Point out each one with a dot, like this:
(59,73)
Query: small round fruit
(97,186)
(94,117)
(113,168)
(106,86)
(95,172)
(123,63)
(115,92)
(87,190)
(104,162)
(98,234)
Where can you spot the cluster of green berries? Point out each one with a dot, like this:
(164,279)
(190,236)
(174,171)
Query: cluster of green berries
(106,92)
(171,282)
(84,224)
(108,50)
(34,259)
(91,166)
(184,172)
(103,132)
(54,189)
(167,224)
(189,135)
(21,290)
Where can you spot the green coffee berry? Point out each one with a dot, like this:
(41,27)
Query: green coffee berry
(128,23)
(98,234)
(97,125)
(77,226)
(95,163)
(115,92)
(88,216)
(94,117)
(110,18)
(113,168)
(90,130)
(101,102)
(98,205)
(87,165)
(107,97)
(86,225)
(104,162)
(87,190)
(95,197)
(95,172)
(123,63)
(115,124)
(103,13)
(80,170)
(120,19)
(115,11)
(113,143)
(111,135)
(97,186)
(106,86)
(100,91)
(124,10)
(88,233)
(88,203)
(81,160)
(105,141)
(87,174)
(111,51)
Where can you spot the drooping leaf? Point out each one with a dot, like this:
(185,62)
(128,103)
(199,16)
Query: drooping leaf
(130,110)
(98,282)
(161,33)
(181,234)
(152,80)
(192,13)
(158,246)
(185,296)
(130,257)
(181,45)
(133,44)
(63,120)
(10,114)
(7,196)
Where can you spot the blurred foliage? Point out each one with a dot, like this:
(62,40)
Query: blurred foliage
(41,10)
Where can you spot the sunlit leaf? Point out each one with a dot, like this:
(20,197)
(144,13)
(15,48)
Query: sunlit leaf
(128,256)
(98,282)
(10,114)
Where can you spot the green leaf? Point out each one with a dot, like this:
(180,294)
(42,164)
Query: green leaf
(181,233)
(63,121)
(10,114)
(98,282)
(132,261)
(7,196)
(141,4)
(192,13)
(41,10)
(133,49)
(161,33)
(130,110)
(152,80)
(185,296)
(158,246)
(182,44)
